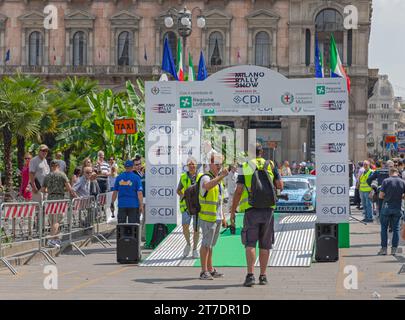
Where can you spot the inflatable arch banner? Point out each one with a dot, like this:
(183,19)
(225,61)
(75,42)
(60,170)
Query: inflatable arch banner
(173,125)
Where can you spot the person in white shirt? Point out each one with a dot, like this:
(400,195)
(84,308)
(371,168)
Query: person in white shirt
(230,181)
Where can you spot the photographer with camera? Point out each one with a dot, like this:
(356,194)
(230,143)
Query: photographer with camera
(258,205)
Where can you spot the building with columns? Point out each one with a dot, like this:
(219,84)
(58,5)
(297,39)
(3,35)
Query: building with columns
(113,41)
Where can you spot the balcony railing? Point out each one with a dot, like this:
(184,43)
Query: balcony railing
(94,70)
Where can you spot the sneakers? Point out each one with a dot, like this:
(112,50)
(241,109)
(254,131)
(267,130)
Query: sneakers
(250,280)
(382,252)
(206,276)
(394,251)
(215,274)
(263,279)
(186,251)
(54,243)
(196,254)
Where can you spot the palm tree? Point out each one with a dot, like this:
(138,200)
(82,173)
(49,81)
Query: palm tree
(20,113)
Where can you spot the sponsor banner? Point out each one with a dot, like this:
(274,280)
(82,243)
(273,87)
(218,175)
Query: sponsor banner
(335,127)
(162,172)
(332,169)
(160,193)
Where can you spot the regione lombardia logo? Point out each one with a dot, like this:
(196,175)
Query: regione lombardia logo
(185,102)
(287,98)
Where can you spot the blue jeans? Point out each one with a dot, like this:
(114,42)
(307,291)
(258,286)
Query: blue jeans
(392,216)
(367,205)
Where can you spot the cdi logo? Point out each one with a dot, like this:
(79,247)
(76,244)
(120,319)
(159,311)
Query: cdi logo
(161,129)
(163,108)
(334,210)
(334,147)
(333,190)
(287,98)
(161,192)
(162,212)
(333,105)
(333,127)
(162,171)
(333,168)
(247,99)
(186,102)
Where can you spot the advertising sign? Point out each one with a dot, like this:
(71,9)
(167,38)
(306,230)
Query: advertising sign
(124,126)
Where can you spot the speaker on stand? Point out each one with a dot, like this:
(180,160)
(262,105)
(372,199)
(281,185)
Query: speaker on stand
(128,243)
(327,242)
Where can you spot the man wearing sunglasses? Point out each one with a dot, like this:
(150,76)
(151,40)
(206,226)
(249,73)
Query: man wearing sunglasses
(38,170)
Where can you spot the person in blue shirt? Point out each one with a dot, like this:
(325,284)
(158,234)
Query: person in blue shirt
(128,188)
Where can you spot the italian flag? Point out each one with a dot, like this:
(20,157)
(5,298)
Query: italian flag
(336,67)
(191,74)
(179,69)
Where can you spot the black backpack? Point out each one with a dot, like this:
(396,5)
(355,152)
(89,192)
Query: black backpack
(263,193)
(191,197)
(160,232)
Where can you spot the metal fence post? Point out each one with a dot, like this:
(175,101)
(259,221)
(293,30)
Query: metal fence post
(4,260)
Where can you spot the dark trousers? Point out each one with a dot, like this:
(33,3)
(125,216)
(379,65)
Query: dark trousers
(102,183)
(357,200)
(131,213)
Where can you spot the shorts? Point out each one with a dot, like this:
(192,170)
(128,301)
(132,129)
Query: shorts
(131,213)
(55,218)
(258,225)
(210,232)
(186,219)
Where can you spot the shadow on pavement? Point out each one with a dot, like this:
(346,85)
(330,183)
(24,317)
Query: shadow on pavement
(159,281)
(208,287)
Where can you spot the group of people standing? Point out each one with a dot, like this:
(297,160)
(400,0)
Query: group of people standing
(382,185)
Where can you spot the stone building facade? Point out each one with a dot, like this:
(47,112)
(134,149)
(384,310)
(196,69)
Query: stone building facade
(113,41)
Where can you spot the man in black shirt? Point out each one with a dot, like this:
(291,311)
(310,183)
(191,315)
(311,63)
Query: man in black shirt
(392,192)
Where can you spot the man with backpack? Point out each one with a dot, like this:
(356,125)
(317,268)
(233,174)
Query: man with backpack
(211,215)
(186,180)
(256,195)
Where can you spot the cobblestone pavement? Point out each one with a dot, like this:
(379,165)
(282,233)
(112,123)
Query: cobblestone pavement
(98,276)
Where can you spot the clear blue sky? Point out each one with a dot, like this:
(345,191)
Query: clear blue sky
(387,42)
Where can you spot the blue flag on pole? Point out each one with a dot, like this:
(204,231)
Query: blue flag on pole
(202,69)
(318,60)
(7,56)
(168,62)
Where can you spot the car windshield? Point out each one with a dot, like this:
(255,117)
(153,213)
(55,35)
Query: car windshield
(295,185)
(312,182)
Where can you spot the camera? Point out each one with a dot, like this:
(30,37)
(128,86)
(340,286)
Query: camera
(232,229)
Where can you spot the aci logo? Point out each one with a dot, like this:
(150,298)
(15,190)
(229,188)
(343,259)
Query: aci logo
(287,98)
(209,111)
(334,210)
(334,147)
(320,90)
(186,102)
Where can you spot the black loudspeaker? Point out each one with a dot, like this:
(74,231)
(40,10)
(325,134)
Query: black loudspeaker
(327,244)
(128,243)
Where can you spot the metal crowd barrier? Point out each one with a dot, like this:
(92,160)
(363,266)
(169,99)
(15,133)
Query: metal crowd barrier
(11,211)
(101,215)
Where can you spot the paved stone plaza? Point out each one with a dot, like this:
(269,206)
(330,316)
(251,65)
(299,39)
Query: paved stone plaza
(98,276)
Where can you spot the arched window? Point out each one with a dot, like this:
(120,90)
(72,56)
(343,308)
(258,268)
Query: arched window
(307,47)
(35,49)
(262,49)
(329,21)
(172,39)
(124,48)
(79,48)
(216,49)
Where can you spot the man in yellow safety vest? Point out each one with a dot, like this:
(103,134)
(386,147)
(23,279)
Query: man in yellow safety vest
(258,223)
(187,179)
(365,189)
(211,214)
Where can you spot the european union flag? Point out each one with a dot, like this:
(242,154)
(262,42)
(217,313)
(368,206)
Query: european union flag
(168,62)
(318,60)
(202,69)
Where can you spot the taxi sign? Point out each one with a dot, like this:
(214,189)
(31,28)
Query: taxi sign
(124,126)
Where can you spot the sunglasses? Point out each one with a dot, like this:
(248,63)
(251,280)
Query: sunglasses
(44,150)
(137,164)
(27,158)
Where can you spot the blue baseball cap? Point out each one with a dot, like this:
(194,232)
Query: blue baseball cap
(129,163)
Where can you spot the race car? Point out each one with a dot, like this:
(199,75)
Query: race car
(301,195)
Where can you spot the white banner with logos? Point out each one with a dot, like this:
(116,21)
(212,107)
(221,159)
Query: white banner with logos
(173,125)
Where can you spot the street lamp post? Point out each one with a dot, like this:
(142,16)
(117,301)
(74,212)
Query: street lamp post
(184,26)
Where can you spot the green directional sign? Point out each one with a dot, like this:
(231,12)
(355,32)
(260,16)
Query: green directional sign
(209,111)
(186,102)
(320,90)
